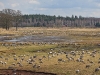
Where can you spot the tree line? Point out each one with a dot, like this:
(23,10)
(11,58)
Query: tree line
(14,18)
(37,20)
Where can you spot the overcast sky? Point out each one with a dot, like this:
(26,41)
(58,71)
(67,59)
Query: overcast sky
(85,8)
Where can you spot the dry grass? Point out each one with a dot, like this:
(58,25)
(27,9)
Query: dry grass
(89,40)
(51,65)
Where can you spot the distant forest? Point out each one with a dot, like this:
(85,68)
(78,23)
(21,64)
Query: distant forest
(38,20)
(12,18)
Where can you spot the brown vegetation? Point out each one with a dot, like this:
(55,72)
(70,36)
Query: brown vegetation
(80,57)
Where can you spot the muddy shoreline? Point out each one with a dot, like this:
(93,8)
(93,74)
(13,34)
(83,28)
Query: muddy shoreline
(21,72)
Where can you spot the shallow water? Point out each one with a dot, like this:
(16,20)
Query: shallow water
(37,38)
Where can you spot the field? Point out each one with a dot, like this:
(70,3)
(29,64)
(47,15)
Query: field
(79,55)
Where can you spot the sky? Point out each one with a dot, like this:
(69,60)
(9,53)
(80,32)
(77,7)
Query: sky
(85,8)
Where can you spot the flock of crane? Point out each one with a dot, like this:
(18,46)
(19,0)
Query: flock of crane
(82,57)
(89,59)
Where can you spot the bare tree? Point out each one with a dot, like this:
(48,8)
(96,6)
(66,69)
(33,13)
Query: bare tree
(8,17)
(17,18)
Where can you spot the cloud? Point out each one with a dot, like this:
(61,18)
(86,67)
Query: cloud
(1,5)
(42,9)
(15,5)
(33,2)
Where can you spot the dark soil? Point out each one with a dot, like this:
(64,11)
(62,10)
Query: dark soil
(21,72)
